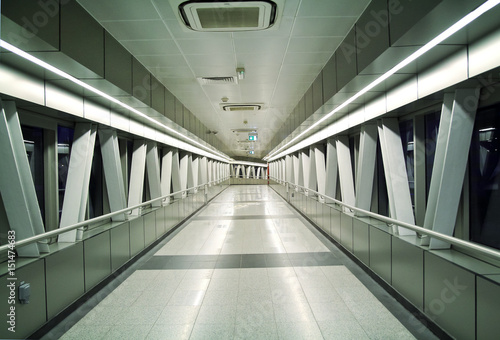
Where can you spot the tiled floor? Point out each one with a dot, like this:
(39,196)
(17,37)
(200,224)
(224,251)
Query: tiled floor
(247,266)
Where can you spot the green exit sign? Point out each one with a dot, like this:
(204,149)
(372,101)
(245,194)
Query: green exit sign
(252,138)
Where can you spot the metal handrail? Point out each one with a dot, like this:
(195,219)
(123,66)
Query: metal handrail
(127,210)
(473,247)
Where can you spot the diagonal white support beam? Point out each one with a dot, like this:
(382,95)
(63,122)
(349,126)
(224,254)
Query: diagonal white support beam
(395,174)
(196,170)
(319,159)
(366,166)
(296,166)
(313,180)
(111,163)
(259,169)
(166,174)
(331,169)
(137,171)
(306,168)
(448,174)
(345,170)
(153,168)
(183,169)
(176,173)
(77,183)
(16,184)
(190,173)
(210,171)
(202,177)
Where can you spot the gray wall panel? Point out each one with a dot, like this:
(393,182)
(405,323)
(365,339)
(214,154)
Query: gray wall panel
(160,222)
(20,10)
(157,95)
(309,102)
(64,278)
(380,253)
(120,245)
(97,251)
(346,60)
(136,235)
(488,303)
(149,228)
(449,296)
(372,33)
(330,78)
(317,87)
(335,223)
(407,14)
(141,82)
(29,317)
(346,231)
(301,109)
(408,271)
(169,105)
(82,38)
(361,242)
(179,112)
(117,64)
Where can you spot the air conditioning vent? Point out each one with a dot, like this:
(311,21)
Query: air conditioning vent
(228,16)
(218,80)
(241,107)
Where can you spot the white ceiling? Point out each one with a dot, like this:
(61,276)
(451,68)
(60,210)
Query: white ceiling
(280,63)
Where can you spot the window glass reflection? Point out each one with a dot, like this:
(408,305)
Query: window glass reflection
(485,178)
(33,143)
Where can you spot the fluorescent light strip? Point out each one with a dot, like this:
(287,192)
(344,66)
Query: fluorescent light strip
(65,75)
(485,7)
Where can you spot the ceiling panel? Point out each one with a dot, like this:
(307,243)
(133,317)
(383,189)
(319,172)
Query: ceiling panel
(158,61)
(332,8)
(210,47)
(252,45)
(150,47)
(280,63)
(318,44)
(323,27)
(307,58)
(137,29)
(120,9)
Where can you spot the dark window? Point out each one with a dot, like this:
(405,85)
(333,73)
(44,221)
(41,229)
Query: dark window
(64,142)
(431,136)
(485,178)
(33,143)
(95,206)
(383,199)
(406,130)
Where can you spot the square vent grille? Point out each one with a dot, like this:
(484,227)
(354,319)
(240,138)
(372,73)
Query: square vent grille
(241,107)
(218,80)
(228,16)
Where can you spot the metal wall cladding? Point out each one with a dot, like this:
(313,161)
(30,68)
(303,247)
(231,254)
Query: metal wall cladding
(82,38)
(29,317)
(372,33)
(346,60)
(361,241)
(330,78)
(449,296)
(169,105)
(160,221)
(136,235)
(488,300)
(335,223)
(408,271)
(141,82)
(157,95)
(149,228)
(380,253)
(64,275)
(97,259)
(317,90)
(118,64)
(346,231)
(120,245)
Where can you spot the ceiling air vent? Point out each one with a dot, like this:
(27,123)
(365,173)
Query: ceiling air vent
(240,107)
(228,16)
(218,80)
